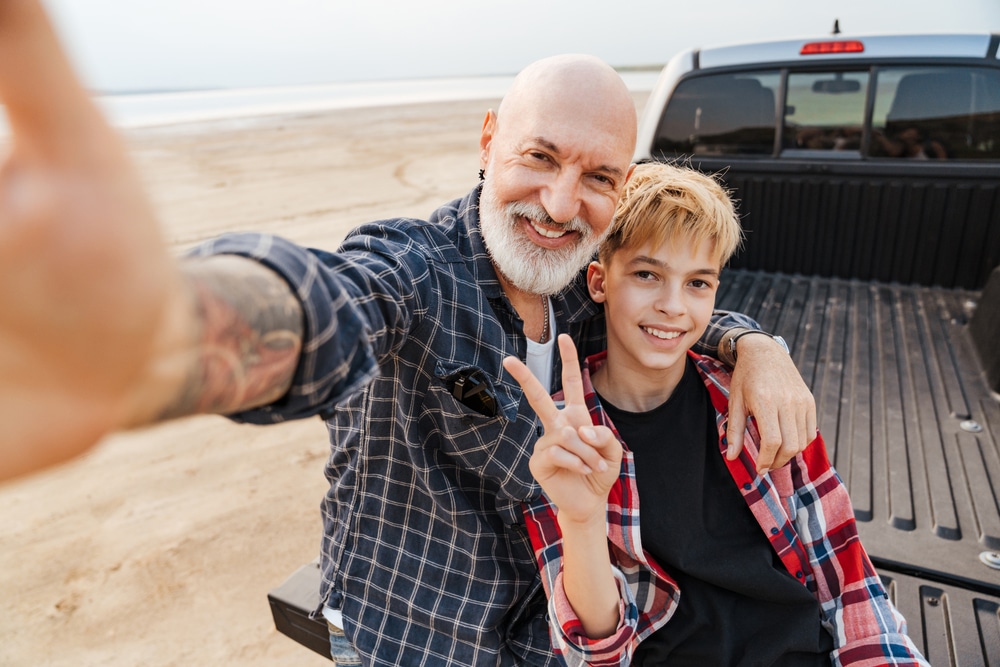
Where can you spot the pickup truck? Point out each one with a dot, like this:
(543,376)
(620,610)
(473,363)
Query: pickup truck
(867,171)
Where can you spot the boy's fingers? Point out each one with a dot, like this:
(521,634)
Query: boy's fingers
(603,441)
(538,398)
(47,108)
(571,453)
(563,459)
(572,378)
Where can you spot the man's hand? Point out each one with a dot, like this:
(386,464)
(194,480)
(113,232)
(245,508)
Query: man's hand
(85,279)
(575,462)
(767,385)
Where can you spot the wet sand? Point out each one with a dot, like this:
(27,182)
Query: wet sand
(159,547)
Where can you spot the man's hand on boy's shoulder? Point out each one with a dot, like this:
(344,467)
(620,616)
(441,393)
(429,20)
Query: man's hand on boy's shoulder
(767,385)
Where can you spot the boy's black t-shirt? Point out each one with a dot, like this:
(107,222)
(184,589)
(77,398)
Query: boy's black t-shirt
(738,606)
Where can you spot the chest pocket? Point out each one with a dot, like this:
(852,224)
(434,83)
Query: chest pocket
(473,418)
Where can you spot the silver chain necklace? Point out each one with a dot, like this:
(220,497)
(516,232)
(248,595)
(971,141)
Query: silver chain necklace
(545,326)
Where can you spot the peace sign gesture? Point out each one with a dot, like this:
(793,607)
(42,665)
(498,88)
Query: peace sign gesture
(575,461)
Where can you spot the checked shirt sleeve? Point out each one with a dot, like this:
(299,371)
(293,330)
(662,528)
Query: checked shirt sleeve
(721,322)
(648,595)
(867,628)
(647,599)
(355,304)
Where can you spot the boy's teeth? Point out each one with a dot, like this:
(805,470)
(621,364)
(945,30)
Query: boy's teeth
(666,335)
(547,233)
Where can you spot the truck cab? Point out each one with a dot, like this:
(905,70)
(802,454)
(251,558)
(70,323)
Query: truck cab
(870,157)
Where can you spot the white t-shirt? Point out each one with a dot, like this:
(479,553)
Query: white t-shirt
(540,357)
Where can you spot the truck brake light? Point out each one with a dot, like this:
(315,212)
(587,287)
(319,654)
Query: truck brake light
(814,48)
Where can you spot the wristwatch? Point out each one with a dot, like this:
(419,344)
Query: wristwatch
(777,339)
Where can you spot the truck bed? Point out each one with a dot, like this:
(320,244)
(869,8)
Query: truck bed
(912,425)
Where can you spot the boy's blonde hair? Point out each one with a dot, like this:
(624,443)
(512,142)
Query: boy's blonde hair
(663,202)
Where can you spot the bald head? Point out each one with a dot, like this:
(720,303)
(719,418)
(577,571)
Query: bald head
(574,89)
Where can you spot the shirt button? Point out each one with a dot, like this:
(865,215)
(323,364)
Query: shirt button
(748,486)
(799,575)
(774,531)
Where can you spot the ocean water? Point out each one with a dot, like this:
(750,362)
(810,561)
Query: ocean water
(152,109)
(170,108)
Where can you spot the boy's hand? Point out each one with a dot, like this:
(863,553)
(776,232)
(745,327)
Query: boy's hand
(767,385)
(575,461)
(84,275)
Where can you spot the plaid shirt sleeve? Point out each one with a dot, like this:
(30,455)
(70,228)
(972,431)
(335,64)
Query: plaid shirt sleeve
(648,594)
(722,321)
(867,628)
(338,358)
(811,526)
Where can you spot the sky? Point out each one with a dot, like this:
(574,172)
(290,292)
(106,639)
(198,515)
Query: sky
(144,45)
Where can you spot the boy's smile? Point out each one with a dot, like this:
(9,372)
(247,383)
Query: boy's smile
(657,303)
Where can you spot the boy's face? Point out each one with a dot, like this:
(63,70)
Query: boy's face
(657,302)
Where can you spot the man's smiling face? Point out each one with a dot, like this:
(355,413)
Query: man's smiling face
(556,158)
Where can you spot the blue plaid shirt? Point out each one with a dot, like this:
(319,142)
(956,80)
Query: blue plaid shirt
(425,549)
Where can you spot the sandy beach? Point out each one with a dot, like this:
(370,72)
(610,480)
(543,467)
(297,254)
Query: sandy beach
(159,547)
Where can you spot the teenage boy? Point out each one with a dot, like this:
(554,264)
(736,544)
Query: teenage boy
(727,566)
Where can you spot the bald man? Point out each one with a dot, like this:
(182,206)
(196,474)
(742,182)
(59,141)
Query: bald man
(396,340)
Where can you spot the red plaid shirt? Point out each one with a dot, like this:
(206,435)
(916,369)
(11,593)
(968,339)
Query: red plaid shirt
(803,509)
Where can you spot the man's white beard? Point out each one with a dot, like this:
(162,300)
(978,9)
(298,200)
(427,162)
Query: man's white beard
(529,267)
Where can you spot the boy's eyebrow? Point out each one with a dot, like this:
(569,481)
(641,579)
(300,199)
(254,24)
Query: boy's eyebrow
(643,259)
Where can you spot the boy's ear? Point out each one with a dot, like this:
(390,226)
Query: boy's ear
(595,282)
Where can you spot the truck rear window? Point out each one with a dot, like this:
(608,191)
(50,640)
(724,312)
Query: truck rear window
(824,111)
(721,115)
(937,113)
(942,112)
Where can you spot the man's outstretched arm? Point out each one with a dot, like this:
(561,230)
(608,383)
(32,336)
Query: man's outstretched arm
(100,329)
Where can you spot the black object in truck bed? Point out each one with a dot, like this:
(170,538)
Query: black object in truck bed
(913,427)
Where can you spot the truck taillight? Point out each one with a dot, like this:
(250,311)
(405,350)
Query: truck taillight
(849,46)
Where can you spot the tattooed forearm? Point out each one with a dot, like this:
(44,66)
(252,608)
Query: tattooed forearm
(249,339)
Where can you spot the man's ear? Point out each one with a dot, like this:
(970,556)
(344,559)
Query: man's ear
(486,138)
(595,282)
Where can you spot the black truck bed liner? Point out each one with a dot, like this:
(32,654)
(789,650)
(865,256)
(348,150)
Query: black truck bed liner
(912,427)
(908,417)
